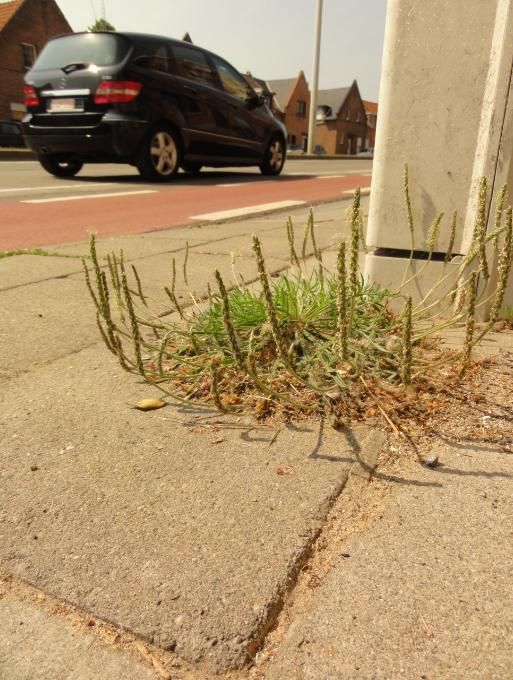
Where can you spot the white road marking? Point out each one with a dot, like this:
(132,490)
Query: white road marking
(350,192)
(240,184)
(248,210)
(53,187)
(81,198)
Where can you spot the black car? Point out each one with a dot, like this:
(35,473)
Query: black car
(153,102)
(11,134)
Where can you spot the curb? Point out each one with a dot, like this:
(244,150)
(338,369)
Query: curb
(272,211)
(327,157)
(17,155)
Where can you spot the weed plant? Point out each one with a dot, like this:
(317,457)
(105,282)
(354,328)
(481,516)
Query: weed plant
(312,341)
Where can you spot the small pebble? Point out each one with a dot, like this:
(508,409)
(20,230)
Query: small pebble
(431,460)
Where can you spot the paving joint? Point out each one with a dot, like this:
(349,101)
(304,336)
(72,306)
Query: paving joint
(17,373)
(103,632)
(277,606)
(354,481)
(351,493)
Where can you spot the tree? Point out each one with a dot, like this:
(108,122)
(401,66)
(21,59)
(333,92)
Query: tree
(101,25)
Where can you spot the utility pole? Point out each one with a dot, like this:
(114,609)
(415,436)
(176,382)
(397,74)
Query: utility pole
(315,78)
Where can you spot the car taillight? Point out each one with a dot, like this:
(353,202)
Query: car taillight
(116,92)
(30,97)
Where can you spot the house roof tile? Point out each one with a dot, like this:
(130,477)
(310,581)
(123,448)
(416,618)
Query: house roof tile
(370,107)
(282,90)
(8,10)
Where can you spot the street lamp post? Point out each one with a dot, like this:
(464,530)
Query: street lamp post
(315,77)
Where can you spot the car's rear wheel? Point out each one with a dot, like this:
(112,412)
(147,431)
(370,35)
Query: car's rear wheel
(159,156)
(60,167)
(274,157)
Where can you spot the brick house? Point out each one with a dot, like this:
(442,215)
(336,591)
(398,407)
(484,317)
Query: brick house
(25,27)
(371,111)
(291,103)
(341,120)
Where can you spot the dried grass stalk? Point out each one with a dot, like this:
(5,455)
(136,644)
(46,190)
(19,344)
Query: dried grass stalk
(228,323)
(452,237)
(471,295)
(171,292)
(290,236)
(139,287)
(342,299)
(269,305)
(503,269)
(406,342)
(136,336)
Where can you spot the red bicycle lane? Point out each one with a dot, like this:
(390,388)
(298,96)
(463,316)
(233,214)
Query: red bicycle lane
(24,225)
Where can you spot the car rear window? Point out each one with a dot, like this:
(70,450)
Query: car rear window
(100,49)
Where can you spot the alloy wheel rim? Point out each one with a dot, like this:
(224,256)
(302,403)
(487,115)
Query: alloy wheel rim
(163,153)
(275,155)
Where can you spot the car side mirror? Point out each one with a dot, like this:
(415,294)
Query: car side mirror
(255,101)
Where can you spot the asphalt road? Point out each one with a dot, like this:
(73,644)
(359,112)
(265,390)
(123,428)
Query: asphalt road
(37,209)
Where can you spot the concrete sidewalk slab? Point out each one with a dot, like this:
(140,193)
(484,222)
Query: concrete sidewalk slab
(34,645)
(138,246)
(22,270)
(49,320)
(426,591)
(60,308)
(186,533)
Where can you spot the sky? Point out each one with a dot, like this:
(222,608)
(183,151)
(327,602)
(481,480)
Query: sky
(271,38)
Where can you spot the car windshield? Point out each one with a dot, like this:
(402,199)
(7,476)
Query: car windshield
(100,49)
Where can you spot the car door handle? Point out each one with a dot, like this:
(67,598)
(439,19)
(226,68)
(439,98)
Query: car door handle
(190,90)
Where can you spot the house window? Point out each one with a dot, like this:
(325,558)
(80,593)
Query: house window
(357,117)
(348,115)
(29,55)
(301,108)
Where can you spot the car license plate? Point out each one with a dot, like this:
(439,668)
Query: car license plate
(65,105)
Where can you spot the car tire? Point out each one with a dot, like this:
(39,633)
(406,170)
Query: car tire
(274,157)
(60,167)
(160,155)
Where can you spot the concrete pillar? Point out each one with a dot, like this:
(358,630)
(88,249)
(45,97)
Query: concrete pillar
(446,109)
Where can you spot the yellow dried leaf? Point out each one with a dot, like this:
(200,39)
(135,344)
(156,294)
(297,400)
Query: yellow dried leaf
(149,404)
